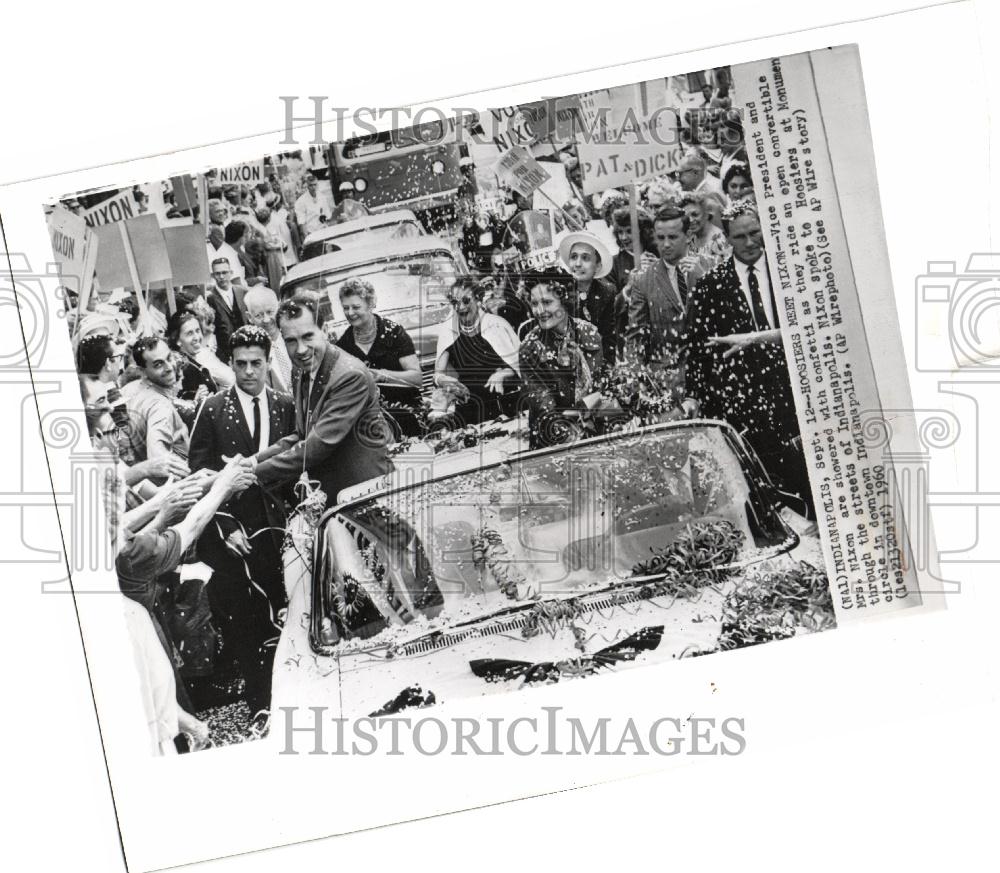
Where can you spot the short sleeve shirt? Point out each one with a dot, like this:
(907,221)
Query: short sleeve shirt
(392,343)
(156,426)
(145,556)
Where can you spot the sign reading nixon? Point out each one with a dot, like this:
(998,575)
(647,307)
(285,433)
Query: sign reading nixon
(116,208)
(242,174)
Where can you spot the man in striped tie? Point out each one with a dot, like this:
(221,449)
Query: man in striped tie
(736,368)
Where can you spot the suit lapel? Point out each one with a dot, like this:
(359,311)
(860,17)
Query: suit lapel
(318,387)
(323,376)
(675,295)
(238,307)
(217,294)
(742,315)
(671,300)
(274,416)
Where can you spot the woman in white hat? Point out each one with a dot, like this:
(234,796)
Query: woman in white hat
(588,260)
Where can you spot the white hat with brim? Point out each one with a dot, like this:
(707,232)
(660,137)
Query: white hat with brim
(571,238)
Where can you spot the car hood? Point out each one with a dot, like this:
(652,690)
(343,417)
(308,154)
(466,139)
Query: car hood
(494,653)
(365,679)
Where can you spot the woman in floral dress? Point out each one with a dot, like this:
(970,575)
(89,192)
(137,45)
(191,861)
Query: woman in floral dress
(560,359)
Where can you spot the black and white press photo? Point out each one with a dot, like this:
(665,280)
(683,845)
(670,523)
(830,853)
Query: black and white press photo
(492,438)
(479,403)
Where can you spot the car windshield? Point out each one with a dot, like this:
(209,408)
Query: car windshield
(372,235)
(411,290)
(586,517)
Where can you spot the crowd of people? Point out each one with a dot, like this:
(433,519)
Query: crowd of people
(260,230)
(698,318)
(213,406)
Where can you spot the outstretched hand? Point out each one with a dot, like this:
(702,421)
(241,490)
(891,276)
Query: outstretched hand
(166,465)
(735,343)
(177,499)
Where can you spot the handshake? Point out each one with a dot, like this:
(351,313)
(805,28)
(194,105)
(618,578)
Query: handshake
(176,498)
(238,474)
(249,463)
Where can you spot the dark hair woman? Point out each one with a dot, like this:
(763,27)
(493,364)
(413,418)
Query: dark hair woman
(559,360)
(737,184)
(196,383)
(477,357)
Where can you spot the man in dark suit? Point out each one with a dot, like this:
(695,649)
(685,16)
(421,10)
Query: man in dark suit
(243,545)
(340,436)
(736,368)
(226,299)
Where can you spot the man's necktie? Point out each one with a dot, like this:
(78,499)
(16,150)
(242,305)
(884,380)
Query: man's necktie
(256,425)
(305,386)
(682,286)
(284,365)
(760,319)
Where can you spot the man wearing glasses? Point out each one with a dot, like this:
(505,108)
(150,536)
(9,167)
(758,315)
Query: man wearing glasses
(156,428)
(108,431)
(227,301)
(99,359)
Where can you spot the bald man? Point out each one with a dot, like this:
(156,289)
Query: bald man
(262,307)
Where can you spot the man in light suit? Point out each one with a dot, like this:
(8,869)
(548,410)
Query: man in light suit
(658,300)
(340,436)
(736,361)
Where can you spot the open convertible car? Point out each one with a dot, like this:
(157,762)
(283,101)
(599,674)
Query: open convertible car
(479,570)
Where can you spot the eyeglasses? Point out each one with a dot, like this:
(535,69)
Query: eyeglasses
(462,300)
(114,434)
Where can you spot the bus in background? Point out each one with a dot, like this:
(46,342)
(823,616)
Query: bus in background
(418,168)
